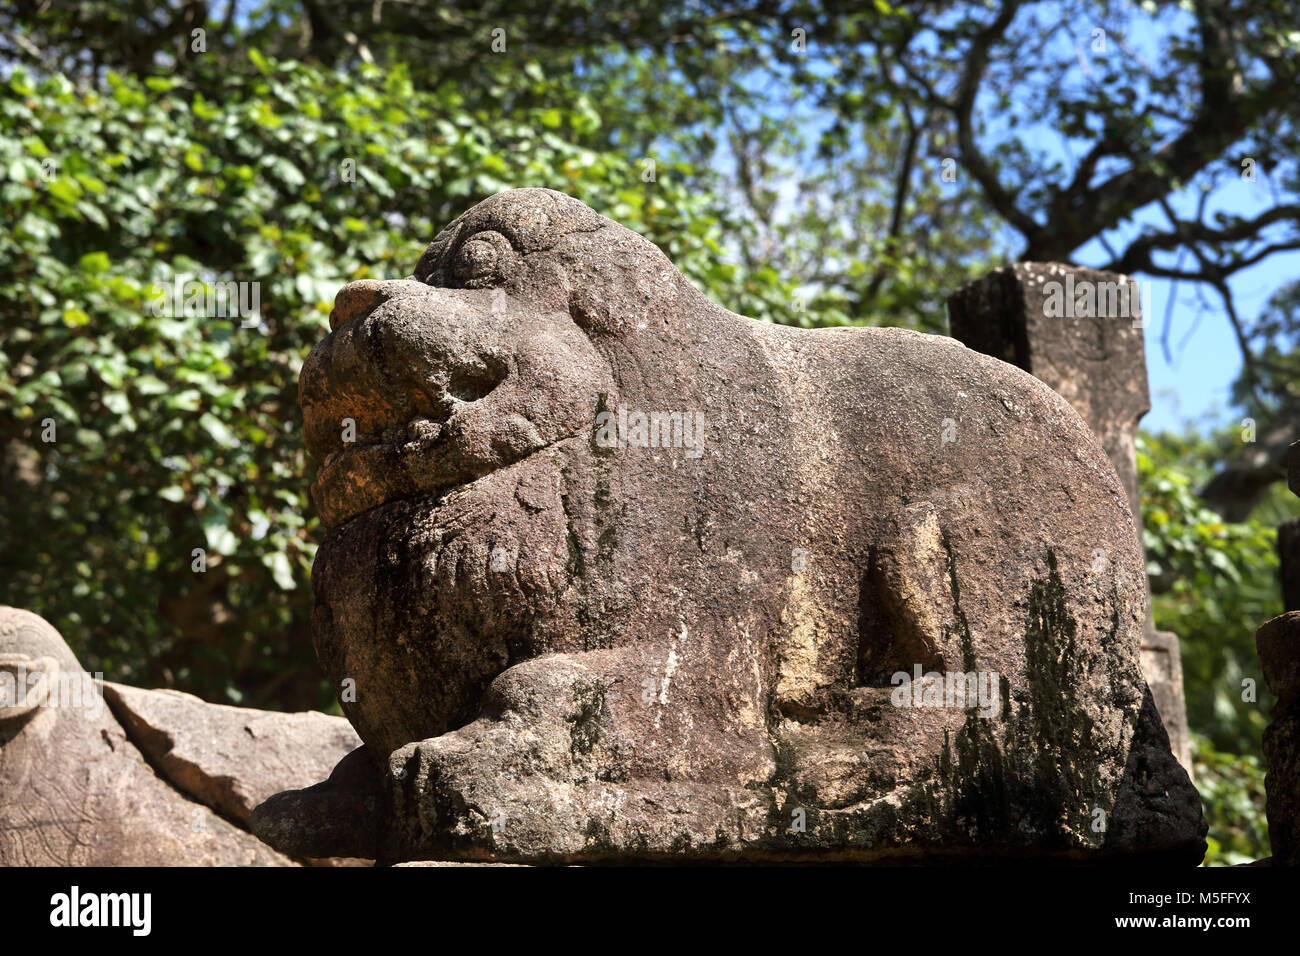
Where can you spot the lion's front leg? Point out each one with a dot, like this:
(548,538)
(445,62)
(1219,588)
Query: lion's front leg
(583,756)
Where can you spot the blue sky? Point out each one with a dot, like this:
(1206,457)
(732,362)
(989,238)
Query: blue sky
(1194,360)
(1193,383)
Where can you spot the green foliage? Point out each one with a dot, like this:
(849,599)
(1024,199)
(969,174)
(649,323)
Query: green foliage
(1232,793)
(1214,583)
(179,429)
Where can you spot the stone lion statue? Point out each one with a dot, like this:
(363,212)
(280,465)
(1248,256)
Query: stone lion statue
(612,573)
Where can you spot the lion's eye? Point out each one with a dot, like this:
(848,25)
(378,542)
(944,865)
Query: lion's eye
(479,259)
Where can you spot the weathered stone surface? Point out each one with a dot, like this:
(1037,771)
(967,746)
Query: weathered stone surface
(73,788)
(1278,642)
(340,816)
(1288,554)
(1288,539)
(567,651)
(1162,667)
(230,758)
(1081,332)
(1096,362)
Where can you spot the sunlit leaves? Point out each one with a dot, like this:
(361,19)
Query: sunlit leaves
(179,429)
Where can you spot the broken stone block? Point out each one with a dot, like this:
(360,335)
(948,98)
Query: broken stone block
(229,758)
(74,790)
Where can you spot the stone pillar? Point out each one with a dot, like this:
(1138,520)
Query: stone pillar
(1288,554)
(1288,539)
(1080,331)
(1278,643)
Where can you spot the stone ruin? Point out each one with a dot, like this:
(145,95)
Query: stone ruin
(610,573)
(100,774)
(570,639)
(1278,643)
(1094,357)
